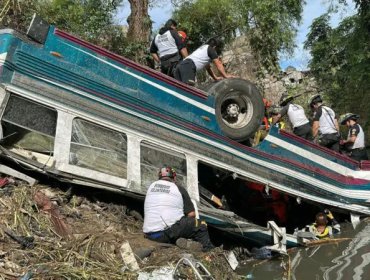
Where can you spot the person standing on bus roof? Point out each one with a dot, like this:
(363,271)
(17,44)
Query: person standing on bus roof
(325,125)
(169,214)
(355,142)
(168,48)
(297,117)
(201,58)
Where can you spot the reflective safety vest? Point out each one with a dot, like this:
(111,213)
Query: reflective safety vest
(280,124)
(328,231)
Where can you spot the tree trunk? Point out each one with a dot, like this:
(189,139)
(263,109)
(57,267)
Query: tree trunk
(140,25)
(139,21)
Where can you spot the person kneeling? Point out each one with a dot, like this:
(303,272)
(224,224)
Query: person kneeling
(169,213)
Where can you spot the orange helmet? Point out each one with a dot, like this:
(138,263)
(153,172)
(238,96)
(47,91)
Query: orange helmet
(183,36)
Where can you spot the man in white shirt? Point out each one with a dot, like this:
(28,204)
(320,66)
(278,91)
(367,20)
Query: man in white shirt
(169,213)
(168,48)
(199,59)
(325,125)
(297,117)
(355,142)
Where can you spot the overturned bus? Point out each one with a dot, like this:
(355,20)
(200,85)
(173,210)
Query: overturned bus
(84,115)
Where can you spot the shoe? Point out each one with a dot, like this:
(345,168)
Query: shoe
(191,82)
(188,244)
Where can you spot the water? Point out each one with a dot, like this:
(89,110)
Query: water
(345,260)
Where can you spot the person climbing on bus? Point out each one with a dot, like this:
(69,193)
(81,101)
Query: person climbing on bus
(324,226)
(169,214)
(168,48)
(264,128)
(355,142)
(325,126)
(199,59)
(296,116)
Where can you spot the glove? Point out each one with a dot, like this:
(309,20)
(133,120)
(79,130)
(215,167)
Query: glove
(329,214)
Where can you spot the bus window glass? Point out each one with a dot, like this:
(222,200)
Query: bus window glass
(98,148)
(29,126)
(153,158)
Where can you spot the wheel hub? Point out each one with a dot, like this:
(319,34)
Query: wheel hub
(233,110)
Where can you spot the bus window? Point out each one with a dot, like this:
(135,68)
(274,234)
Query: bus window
(98,148)
(29,126)
(153,158)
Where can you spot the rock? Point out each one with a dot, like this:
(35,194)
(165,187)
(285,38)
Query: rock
(143,252)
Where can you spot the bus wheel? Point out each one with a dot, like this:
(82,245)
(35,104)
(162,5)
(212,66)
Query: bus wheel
(239,107)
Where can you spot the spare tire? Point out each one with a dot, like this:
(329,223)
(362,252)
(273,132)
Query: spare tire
(239,107)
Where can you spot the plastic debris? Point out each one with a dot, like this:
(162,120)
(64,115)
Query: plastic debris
(128,257)
(163,273)
(231,259)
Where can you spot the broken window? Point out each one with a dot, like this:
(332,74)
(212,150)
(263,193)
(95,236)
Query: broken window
(153,158)
(29,126)
(98,148)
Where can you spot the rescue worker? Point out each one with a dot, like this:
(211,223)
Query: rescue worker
(168,48)
(169,213)
(262,132)
(297,117)
(199,59)
(325,126)
(274,119)
(355,142)
(325,225)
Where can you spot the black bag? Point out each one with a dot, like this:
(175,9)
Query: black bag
(329,139)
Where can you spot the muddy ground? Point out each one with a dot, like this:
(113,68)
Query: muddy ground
(50,233)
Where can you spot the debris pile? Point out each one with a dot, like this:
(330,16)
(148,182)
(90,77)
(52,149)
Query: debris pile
(46,233)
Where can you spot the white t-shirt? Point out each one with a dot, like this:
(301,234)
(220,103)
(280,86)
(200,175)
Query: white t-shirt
(296,114)
(165,44)
(203,56)
(163,206)
(326,118)
(356,130)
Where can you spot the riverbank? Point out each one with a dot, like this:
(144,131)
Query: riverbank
(47,233)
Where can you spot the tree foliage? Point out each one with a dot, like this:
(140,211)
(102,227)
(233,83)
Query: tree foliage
(269,24)
(341,61)
(91,20)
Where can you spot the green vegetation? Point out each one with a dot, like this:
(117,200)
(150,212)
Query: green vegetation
(270,24)
(341,61)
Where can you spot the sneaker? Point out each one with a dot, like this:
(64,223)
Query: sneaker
(188,244)
(191,82)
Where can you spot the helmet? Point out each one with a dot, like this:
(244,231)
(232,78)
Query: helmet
(284,100)
(314,99)
(275,109)
(183,36)
(167,171)
(347,117)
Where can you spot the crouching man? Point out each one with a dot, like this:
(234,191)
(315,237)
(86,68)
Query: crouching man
(169,213)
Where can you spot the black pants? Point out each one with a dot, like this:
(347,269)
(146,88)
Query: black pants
(185,71)
(330,141)
(186,227)
(359,154)
(169,63)
(304,131)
